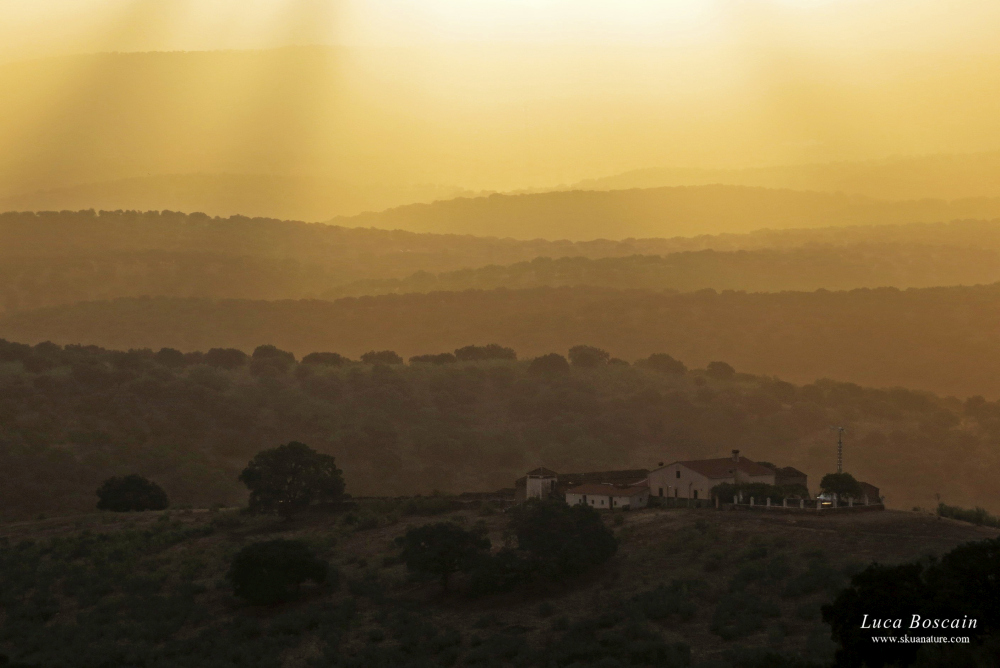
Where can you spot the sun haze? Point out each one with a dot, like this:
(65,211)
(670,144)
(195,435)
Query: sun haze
(486,95)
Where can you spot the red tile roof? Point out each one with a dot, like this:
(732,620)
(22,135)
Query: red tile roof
(723,468)
(607,490)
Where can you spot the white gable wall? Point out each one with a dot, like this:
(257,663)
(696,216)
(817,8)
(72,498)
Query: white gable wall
(677,481)
(539,488)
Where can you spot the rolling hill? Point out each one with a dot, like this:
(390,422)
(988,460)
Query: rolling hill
(945,177)
(53,259)
(295,197)
(661,212)
(74,416)
(804,268)
(936,339)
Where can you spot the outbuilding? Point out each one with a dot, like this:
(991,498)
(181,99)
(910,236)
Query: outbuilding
(609,497)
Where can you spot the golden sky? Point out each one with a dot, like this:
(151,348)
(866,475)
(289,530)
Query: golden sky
(492,94)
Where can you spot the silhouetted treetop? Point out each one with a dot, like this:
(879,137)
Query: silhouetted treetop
(549,365)
(720,370)
(324,359)
(588,356)
(381,357)
(491,351)
(664,364)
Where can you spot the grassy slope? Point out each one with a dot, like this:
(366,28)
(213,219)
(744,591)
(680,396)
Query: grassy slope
(721,549)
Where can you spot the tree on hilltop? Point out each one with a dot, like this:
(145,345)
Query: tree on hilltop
(268,360)
(131,493)
(842,484)
(289,478)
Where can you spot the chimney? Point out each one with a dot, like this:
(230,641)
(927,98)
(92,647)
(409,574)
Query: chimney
(736,456)
(736,467)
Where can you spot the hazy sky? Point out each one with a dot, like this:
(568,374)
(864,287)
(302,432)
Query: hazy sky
(490,93)
(42,27)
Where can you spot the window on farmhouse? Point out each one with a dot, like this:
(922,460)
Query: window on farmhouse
(678,472)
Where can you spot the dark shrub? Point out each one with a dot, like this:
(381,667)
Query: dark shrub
(130,493)
(501,572)
(673,600)
(441,549)
(962,585)
(430,505)
(549,365)
(272,571)
(562,539)
(978,516)
(739,615)
(381,357)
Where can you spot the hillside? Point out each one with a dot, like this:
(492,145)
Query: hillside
(297,197)
(936,339)
(945,177)
(27,283)
(662,212)
(52,259)
(153,586)
(360,252)
(72,417)
(805,268)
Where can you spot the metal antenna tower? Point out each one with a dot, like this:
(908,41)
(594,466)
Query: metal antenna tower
(840,448)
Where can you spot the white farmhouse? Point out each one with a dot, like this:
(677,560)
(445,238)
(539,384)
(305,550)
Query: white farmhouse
(695,479)
(609,497)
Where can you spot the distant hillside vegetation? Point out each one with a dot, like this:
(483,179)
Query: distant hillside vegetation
(805,268)
(72,417)
(661,212)
(937,339)
(52,259)
(940,176)
(304,198)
